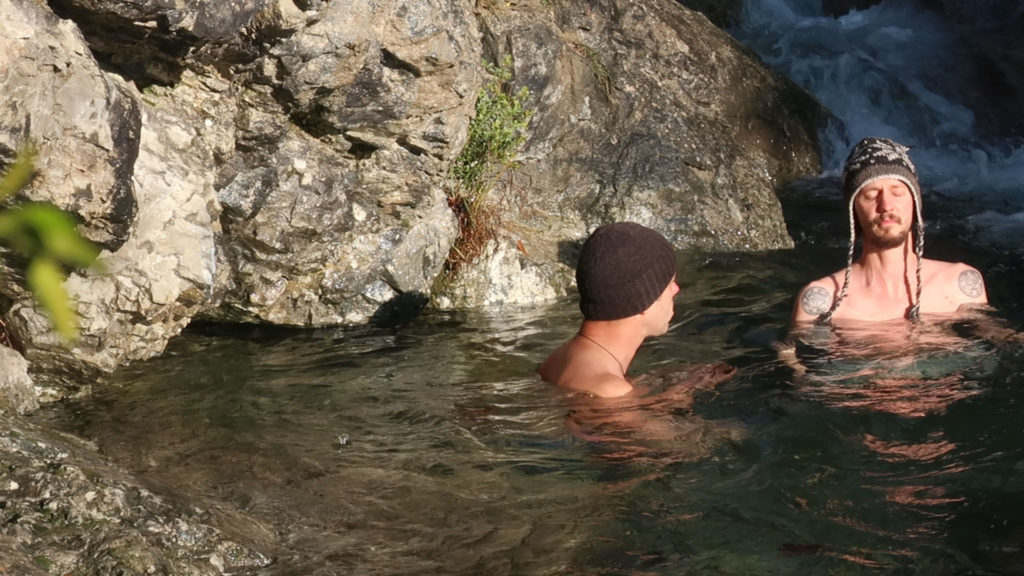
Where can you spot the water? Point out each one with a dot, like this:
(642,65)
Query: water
(431,448)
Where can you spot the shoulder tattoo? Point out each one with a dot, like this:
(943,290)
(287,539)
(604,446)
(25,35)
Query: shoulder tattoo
(815,300)
(970,283)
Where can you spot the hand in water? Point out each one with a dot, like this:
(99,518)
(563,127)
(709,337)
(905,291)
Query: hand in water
(678,385)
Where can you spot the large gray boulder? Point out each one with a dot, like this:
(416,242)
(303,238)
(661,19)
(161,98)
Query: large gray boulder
(290,164)
(84,123)
(335,209)
(645,112)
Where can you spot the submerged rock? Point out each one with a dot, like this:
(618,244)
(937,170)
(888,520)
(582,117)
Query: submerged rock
(66,510)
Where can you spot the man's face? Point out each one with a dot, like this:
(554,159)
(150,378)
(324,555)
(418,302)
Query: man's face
(885,211)
(659,314)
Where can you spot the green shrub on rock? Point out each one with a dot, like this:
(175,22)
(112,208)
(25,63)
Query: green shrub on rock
(496,133)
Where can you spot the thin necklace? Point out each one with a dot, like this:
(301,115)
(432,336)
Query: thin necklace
(623,370)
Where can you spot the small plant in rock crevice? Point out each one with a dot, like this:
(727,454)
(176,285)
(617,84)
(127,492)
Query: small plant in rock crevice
(496,133)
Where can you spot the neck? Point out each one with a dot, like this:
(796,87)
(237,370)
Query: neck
(888,261)
(892,270)
(618,337)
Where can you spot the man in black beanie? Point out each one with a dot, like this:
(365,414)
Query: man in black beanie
(891,279)
(626,276)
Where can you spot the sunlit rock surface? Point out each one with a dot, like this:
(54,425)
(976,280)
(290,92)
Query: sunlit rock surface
(16,387)
(287,162)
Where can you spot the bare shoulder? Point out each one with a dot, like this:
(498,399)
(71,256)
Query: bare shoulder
(959,282)
(814,299)
(575,369)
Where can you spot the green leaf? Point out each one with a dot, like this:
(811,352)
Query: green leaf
(18,174)
(46,280)
(57,232)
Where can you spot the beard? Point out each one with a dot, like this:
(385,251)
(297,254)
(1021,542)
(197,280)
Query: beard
(887,239)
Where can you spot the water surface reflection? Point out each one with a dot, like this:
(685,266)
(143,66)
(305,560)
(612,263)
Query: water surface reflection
(433,449)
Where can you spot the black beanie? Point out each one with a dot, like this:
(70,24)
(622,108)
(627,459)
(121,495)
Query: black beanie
(623,268)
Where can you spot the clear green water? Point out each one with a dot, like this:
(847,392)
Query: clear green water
(431,448)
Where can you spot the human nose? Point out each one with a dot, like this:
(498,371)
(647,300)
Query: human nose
(884,201)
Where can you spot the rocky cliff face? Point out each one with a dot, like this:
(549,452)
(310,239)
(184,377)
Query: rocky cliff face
(645,113)
(287,162)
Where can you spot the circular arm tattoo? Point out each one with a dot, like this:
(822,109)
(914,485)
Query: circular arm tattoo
(816,300)
(970,283)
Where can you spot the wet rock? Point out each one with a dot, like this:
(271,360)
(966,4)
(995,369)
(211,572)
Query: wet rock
(721,13)
(65,510)
(505,274)
(836,8)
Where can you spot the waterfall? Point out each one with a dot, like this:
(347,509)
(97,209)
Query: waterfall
(923,77)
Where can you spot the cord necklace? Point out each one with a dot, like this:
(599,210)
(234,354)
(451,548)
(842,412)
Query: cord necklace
(614,357)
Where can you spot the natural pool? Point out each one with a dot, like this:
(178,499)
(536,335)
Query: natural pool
(431,448)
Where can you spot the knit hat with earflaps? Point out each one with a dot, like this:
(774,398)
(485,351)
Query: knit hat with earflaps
(623,268)
(873,159)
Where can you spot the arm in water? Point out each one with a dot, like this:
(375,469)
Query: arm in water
(642,412)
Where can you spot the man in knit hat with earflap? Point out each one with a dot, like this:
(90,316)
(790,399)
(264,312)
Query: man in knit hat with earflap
(890,279)
(626,276)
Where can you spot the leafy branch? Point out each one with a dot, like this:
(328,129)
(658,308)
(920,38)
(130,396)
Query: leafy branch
(48,238)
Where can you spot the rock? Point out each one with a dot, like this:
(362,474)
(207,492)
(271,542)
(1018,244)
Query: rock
(16,387)
(149,288)
(155,41)
(836,8)
(84,123)
(721,13)
(346,218)
(294,169)
(644,113)
(67,511)
(505,275)
(310,245)
(371,74)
